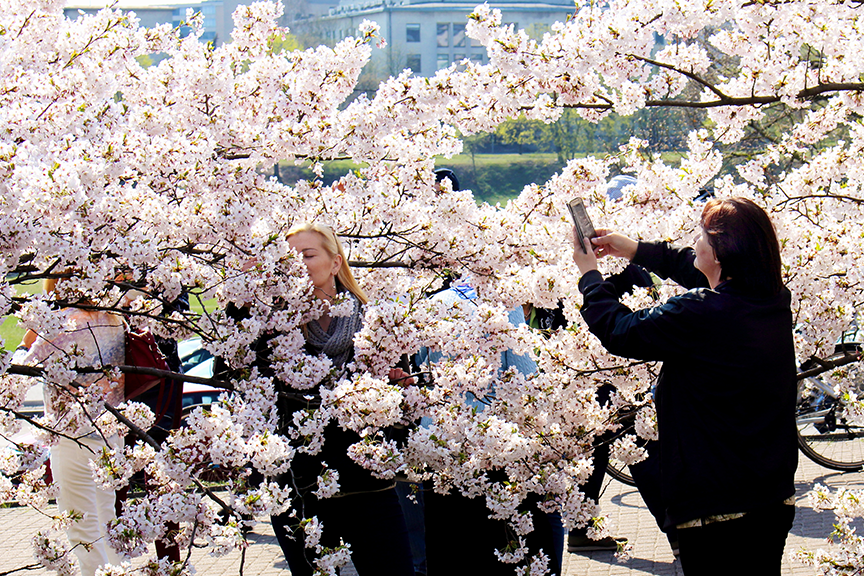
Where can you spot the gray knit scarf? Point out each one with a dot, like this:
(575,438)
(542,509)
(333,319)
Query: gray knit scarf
(338,341)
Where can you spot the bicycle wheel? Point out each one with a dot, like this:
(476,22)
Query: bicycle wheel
(824,434)
(619,471)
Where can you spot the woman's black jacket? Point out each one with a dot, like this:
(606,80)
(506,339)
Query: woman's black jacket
(305,468)
(727,389)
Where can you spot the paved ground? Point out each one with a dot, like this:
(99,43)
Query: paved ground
(651,553)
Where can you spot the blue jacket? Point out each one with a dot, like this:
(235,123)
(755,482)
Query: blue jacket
(509,359)
(727,390)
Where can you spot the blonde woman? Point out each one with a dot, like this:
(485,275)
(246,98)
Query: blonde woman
(366,513)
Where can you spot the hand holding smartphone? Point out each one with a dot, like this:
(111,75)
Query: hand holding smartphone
(584,227)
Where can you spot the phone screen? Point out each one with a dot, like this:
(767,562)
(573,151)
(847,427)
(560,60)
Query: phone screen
(584,227)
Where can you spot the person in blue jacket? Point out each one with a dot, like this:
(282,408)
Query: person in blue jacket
(726,393)
(461,537)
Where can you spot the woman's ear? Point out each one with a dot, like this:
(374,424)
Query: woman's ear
(337,264)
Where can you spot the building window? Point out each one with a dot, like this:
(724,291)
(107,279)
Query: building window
(459,35)
(443,61)
(458,57)
(443,35)
(412,61)
(476,58)
(412,33)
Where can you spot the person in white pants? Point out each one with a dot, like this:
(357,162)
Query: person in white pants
(78,492)
(94,338)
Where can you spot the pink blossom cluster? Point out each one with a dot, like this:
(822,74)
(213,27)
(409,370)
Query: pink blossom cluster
(140,183)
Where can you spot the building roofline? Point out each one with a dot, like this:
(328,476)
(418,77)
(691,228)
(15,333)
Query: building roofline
(128,4)
(377,7)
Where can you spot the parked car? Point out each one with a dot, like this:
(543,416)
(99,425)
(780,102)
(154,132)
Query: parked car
(196,361)
(192,356)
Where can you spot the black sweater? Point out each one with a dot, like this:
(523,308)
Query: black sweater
(727,390)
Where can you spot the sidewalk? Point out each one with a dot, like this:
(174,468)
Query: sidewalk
(630,518)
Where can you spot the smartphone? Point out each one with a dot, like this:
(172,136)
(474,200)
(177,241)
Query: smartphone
(584,227)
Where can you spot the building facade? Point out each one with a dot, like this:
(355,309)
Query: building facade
(217,13)
(427,35)
(422,35)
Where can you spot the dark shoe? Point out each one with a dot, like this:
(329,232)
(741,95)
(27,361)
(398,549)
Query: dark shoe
(585,544)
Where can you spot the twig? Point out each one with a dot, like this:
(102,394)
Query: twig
(35,424)
(191,544)
(693,76)
(21,569)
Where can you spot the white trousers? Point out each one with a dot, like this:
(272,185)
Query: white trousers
(78,491)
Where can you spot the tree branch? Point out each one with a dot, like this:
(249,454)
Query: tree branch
(22,569)
(806,94)
(36,372)
(691,75)
(823,366)
(36,424)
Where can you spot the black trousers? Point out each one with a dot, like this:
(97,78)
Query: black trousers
(646,474)
(752,544)
(461,539)
(372,523)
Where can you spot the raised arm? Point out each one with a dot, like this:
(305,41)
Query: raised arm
(673,262)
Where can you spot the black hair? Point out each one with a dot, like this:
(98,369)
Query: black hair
(447,174)
(745,244)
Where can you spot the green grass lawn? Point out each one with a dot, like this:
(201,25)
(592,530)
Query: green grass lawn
(11,333)
(9,330)
(497,178)
(493,178)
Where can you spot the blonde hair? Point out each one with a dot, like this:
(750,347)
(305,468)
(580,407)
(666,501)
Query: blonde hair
(333,247)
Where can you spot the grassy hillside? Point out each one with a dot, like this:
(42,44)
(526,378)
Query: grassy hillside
(9,329)
(492,177)
(498,177)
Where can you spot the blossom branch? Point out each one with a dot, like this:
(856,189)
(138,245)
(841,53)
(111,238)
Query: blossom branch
(823,365)
(805,94)
(689,74)
(36,372)
(142,434)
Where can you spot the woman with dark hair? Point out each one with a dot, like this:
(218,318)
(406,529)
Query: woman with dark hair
(727,390)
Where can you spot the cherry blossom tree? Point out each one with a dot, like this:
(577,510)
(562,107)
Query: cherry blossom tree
(138,184)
